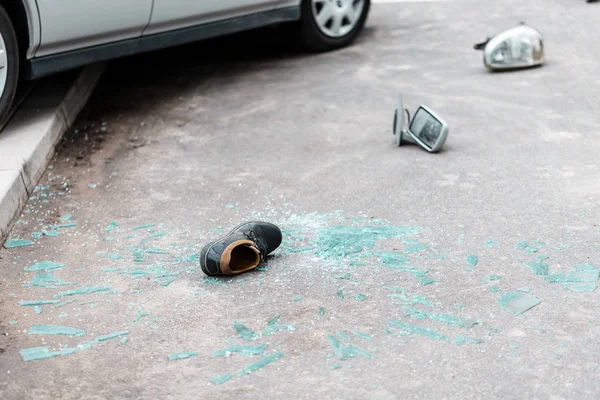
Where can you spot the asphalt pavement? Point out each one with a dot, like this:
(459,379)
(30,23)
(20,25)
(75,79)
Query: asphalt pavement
(470,273)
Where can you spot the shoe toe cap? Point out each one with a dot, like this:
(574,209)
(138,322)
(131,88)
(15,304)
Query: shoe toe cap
(272,235)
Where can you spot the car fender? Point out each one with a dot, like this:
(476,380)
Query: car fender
(34,26)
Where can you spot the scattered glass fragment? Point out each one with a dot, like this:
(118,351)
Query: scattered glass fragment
(581,278)
(219,380)
(37,302)
(260,364)
(460,340)
(243,350)
(418,330)
(517,303)
(44,266)
(244,332)
(362,335)
(48,329)
(360,297)
(344,352)
(83,291)
(521,245)
(472,260)
(110,336)
(182,356)
(39,353)
(13,243)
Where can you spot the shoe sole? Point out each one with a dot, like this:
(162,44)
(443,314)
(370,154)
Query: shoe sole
(211,244)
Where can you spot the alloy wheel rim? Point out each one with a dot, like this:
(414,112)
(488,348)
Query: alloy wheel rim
(336,18)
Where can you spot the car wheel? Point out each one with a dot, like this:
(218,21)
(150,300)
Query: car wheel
(332,24)
(9,65)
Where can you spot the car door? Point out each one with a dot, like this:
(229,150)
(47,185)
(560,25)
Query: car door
(175,14)
(74,24)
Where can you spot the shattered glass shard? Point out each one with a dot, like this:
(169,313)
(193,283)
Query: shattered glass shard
(521,245)
(517,303)
(492,278)
(140,315)
(244,350)
(362,335)
(244,332)
(448,319)
(112,225)
(273,320)
(259,364)
(39,353)
(44,266)
(136,228)
(110,336)
(219,380)
(472,260)
(13,243)
(181,356)
(581,278)
(418,330)
(340,241)
(415,248)
(61,226)
(83,291)
(538,267)
(360,297)
(47,281)
(344,352)
(460,340)
(37,302)
(47,329)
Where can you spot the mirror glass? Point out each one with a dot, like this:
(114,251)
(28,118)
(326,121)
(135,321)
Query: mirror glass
(426,127)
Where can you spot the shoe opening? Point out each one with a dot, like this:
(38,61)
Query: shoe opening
(243,258)
(240,256)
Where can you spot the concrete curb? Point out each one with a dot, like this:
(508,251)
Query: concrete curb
(29,139)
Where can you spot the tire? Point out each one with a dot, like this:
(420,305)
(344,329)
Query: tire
(317,37)
(9,60)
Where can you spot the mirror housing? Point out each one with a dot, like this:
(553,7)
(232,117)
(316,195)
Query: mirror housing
(426,129)
(399,123)
(516,48)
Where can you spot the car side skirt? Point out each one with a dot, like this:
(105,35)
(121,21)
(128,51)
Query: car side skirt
(47,65)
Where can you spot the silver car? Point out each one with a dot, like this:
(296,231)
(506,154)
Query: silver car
(42,37)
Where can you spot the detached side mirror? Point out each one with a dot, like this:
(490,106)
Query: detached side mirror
(515,48)
(426,129)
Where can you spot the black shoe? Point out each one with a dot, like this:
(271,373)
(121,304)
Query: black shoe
(240,250)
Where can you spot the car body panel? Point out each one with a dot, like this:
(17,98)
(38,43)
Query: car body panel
(33,23)
(74,24)
(176,14)
(53,63)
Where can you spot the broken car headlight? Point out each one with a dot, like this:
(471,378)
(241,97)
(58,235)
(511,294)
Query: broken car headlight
(518,47)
